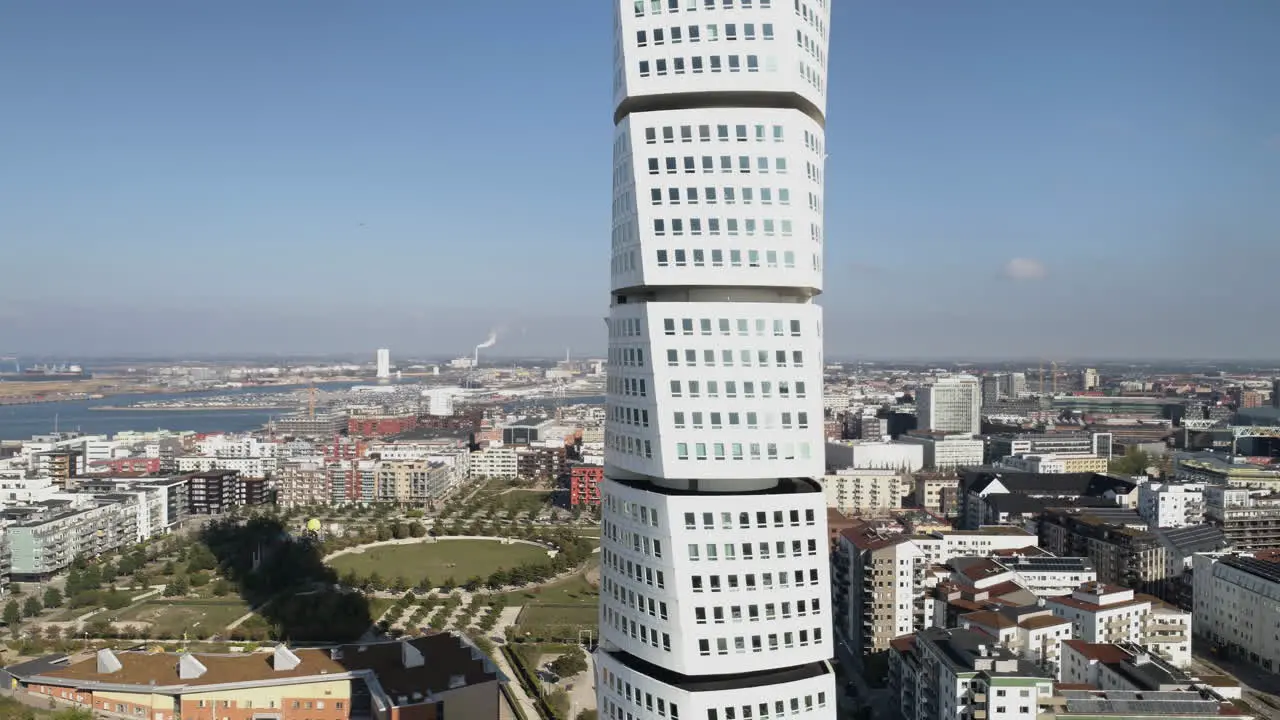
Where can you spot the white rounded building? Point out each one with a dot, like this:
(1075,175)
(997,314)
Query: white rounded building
(715,588)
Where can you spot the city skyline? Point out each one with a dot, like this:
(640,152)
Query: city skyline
(996,176)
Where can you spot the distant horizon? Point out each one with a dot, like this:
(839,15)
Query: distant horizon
(358,358)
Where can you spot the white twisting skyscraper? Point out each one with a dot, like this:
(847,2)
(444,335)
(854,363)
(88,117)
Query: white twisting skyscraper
(715,589)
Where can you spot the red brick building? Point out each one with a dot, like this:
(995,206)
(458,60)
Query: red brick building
(380,425)
(584,485)
(144,465)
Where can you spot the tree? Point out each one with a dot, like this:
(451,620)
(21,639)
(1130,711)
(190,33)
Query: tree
(1133,462)
(12,613)
(52,598)
(400,531)
(417,529)
(32,607)
(569,664)
(588,715)
(374,580)
(178,586)
(221,588)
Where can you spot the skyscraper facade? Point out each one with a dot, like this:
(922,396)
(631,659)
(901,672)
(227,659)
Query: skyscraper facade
(951,405)
(715,591)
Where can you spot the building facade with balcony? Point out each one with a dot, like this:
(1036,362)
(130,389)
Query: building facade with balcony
(943,674)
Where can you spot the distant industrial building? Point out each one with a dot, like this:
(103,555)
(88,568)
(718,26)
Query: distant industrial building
(383,363)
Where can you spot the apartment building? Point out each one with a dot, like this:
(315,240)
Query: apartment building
(413,482)
(1250,519)
(1122,554)
(1236,604)
(427,678)
(1171,504)
(874,577)
(1033,633)
(45,539)
(1048,575)
(1102,613)
(938,493)
(495,463)
(1120,667)
(584,485)
(540,464)
(943,674)
(857,491)
(881,579)
(246,466)
(212,492)
(303,483)
(946,451)
(163,503)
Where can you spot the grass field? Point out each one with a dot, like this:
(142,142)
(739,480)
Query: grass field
(459,559)
(570,591)
(169,619)
(538,614)
(519,500)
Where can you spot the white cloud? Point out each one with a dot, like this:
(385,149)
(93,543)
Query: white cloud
(1025,269)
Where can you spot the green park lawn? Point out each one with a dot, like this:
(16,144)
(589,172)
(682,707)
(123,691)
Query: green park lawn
(459,559)
(171,618)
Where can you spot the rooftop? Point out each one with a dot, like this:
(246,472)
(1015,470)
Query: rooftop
(446,660)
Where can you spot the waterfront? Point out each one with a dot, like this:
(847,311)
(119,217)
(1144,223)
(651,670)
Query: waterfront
(20,422)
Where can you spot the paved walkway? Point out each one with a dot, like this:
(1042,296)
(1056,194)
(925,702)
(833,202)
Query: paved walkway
(517,690)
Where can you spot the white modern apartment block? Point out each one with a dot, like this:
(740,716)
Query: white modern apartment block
(859,491)
(942,674)
(714,564)
(1102,613)
(1236,600)
(1032,464)
(499,462)
(947,451)
(439,401)
(383,363)
(1171,505)
(247,466)
(951,405)
(877,454)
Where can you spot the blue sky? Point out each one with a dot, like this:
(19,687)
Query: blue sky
(1059,179)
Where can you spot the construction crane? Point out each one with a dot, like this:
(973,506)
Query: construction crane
(1055,378)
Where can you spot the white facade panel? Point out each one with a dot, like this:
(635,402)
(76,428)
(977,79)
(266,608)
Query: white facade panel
(624,691)
(738,580)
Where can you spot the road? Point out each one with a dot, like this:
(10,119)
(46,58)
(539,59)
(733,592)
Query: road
(1260,688)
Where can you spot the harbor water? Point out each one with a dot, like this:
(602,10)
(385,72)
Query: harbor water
(20,422)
